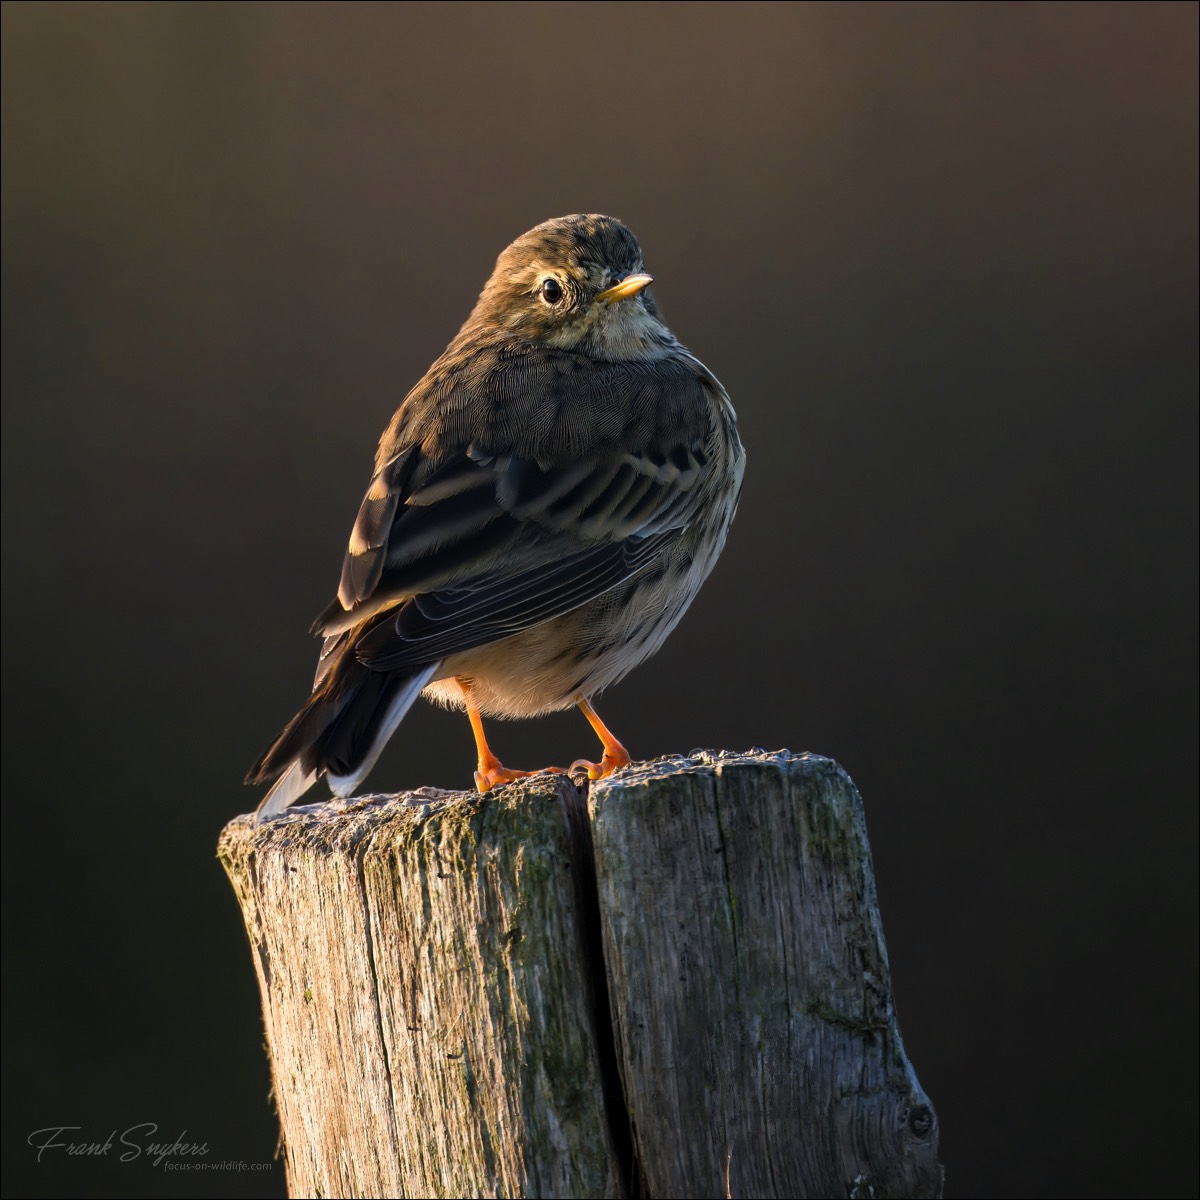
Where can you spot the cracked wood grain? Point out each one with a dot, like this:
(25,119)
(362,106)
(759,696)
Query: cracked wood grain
(437,969)
(751,992)
(426,992)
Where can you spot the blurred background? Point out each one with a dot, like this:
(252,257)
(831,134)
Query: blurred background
(943,256)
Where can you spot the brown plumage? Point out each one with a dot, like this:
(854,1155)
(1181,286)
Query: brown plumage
(546,503)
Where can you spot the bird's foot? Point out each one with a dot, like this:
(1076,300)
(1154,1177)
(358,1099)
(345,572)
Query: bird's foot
(493,773)
(615,757)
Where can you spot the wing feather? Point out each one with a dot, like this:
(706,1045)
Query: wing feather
(456,619)
(470,543)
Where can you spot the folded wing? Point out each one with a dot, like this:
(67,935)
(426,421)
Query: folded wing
(468,545)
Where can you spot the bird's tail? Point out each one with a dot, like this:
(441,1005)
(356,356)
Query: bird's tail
(340,731)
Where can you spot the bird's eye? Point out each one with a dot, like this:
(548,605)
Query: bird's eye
(551,291)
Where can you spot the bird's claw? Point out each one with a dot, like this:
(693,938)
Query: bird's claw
(496,774)
(601,770)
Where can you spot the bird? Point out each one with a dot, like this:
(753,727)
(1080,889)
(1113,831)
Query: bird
(545,504)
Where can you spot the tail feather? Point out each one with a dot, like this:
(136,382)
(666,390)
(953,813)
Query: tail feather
(301,734)
(340,731)
(285,791)
(370,742)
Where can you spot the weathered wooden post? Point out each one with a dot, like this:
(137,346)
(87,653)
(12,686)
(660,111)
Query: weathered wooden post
(673,983)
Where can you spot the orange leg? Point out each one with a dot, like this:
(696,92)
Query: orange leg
(615,755)
(491,772)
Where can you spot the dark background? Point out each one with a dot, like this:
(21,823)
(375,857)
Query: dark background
(944,259)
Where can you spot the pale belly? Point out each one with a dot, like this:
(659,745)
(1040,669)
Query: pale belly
(552,665)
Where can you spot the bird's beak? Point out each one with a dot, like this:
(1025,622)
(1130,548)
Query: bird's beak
(624,288)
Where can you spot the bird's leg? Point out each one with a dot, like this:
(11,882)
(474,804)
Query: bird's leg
(615,755)
(491,772)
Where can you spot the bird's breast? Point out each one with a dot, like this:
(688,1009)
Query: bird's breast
(551,666)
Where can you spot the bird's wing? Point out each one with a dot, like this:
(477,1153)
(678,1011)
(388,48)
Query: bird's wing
(438,624)
(471,544)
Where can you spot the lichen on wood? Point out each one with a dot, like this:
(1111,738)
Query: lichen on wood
(672,983)
(752,996)
(428,1008)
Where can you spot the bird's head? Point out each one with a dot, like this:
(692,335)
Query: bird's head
(574,283)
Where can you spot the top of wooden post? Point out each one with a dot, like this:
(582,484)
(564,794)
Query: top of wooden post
(672,981)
